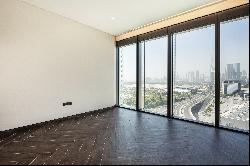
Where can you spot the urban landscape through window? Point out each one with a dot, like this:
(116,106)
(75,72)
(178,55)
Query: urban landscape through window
(155,75)
(193,79)
(234,100)
(127,76)
(194,74)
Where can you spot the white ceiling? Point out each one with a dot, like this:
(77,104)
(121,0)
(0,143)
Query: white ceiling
(117,16)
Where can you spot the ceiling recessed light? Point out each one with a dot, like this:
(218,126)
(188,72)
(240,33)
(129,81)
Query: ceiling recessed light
(112,18)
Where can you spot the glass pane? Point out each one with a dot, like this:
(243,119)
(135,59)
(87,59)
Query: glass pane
(155,83)
(127,80)
(194,75)
(234,100)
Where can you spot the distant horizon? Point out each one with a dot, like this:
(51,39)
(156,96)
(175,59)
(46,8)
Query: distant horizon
(189,48)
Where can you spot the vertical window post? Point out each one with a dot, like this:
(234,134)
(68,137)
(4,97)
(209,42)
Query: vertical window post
(217,73)
(137,74)
(170,76)
(117,76)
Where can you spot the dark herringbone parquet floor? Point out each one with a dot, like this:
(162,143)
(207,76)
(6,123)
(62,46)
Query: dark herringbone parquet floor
(120,136)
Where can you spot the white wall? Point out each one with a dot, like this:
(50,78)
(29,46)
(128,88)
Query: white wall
(45,60)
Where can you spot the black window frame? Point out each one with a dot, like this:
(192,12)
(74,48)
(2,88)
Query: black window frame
(216,19)
(118,75)
(158,35)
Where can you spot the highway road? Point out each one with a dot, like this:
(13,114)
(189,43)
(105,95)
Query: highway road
(184,108)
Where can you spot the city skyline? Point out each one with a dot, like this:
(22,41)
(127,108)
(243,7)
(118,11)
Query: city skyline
(228,74)
(230,53)
(193,80)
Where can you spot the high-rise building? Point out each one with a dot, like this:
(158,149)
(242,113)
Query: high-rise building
(197,76)
(212,74)
(233,71)
(191,77)
(244,75)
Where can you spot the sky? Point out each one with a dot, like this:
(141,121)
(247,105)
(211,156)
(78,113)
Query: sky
(156,59)
(195,50)
(128,62)
(235,44)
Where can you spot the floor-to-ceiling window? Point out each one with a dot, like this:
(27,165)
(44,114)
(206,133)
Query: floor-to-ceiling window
(234,70)
(204,63)
(154,69)
(127,76)
(194,74)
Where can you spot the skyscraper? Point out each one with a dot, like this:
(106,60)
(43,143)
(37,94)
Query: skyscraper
(197,76)
(233,71)
(191,77)
(212,74)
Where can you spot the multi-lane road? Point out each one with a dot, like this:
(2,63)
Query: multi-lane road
(188,108)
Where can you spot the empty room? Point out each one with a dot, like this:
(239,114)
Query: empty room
(124,82)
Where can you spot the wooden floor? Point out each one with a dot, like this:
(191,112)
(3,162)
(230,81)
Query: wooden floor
(120,136)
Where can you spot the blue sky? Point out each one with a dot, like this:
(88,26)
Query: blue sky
(235,44)
(156,59)
(194,50)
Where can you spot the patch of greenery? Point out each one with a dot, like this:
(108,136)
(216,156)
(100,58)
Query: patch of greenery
(155,98)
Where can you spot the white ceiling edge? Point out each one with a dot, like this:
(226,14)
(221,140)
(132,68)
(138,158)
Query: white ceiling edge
(65,17)
(170,17)
(116,17)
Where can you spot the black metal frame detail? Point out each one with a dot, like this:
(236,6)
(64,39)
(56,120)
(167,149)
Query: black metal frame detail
(137,74)
(217,73)
(117,76)
(215,19)
(170,76)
